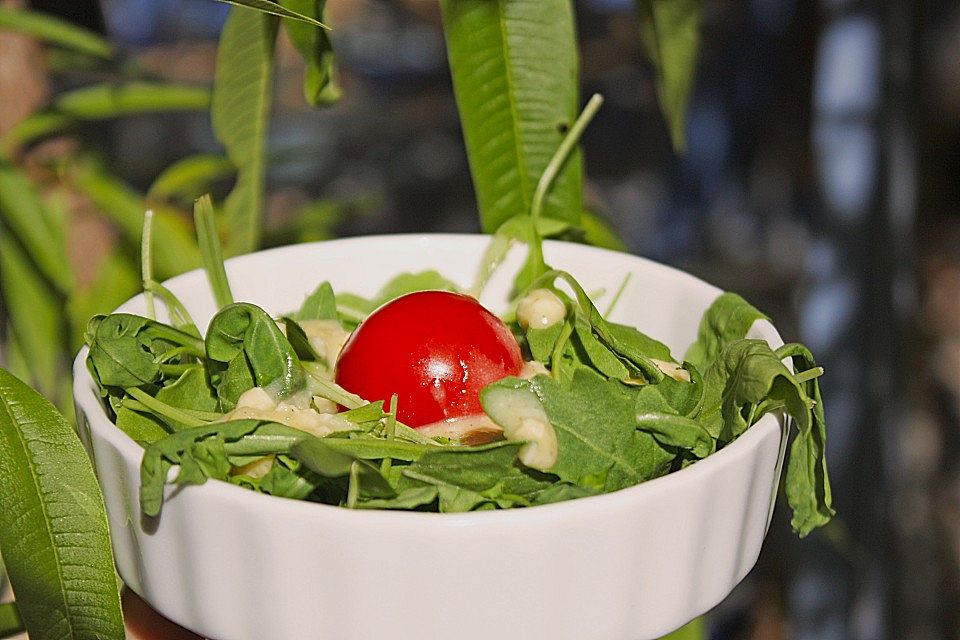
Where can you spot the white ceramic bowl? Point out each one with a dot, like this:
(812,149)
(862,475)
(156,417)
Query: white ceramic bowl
(234,565)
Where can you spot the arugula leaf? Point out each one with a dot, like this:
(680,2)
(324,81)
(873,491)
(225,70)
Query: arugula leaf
(595,422)
(353,308)
(191,391)
(542,342)
(411,282)
(298,339)
(244,329)
(205,453)
(319,305)
(407,499)
(473,468)
(728,318)
(144,428)
(287,478)
(321,456)
(53,524)
(634,347)
(808,483)
(124,348)
(748,380)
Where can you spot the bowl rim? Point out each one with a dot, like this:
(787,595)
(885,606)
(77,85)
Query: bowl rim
(88,403)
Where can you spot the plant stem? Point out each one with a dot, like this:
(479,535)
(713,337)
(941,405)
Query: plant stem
(808,375)
(567,145)
(162,409)
(210,250)
(146,262)
(353,490)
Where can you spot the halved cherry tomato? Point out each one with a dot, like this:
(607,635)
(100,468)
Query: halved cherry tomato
(435,349)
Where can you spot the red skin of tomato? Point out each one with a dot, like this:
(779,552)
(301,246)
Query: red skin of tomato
(436,350)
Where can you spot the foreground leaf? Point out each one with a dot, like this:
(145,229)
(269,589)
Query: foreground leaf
(728,319)
(515,74)
(53,525)
(241,112)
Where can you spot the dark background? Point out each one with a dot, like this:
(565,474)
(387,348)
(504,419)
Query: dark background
(822,182)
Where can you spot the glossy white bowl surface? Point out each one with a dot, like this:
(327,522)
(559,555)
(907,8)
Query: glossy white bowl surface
(234,565)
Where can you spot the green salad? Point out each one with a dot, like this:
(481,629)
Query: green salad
(593,407)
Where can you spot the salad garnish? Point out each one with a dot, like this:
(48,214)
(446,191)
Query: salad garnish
(598,406)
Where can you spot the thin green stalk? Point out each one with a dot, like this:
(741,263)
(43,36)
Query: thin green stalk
(176,352)
(331,390)
(191,344)
(617,295)
(353,490)
(549,175)
(557,353)
(146,261)
(178,313)
(175,370)
(808,375)
(182,416)
(211,251)
(567,145)
(390,433)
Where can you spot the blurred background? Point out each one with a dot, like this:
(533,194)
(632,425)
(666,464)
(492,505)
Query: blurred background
(821,181)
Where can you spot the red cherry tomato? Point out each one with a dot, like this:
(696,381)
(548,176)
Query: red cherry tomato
(436,350)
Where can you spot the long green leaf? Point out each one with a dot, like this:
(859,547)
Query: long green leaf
(34,127)
(671,35)
(319,80)
(112,100)
(55,31)
(35,315)
(53,526)
(22,210)
(241,113)
(515,73)
(189,178)
(105,101)
(125,207)
(274,9)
